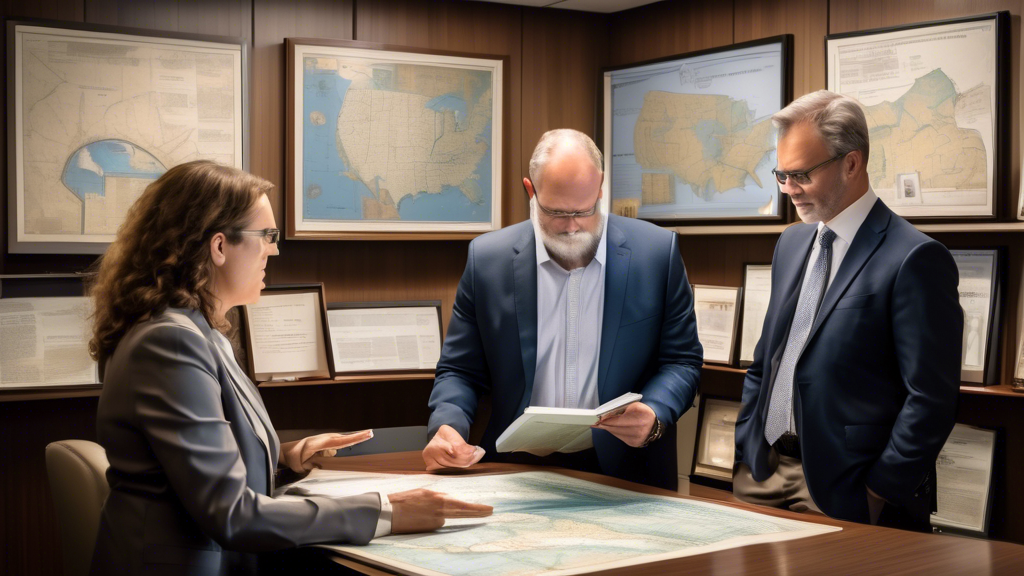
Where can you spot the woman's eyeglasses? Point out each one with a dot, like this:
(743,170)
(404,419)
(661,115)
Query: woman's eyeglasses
(271,235)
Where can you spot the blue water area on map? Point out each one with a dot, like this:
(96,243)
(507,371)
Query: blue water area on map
(452,205)
(453,103)
(85,170)
(323,167)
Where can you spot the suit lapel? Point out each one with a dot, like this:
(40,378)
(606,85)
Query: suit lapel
(524,273)
(867,240)
(617,261)
(790,282)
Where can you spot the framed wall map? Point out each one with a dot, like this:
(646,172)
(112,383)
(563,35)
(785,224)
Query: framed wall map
(689,137)
(934,95)
(96,113)
(390,143)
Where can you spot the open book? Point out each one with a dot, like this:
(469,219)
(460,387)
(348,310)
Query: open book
(542,430)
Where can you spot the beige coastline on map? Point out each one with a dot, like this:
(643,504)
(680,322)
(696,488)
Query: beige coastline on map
(707,141)
(399,147)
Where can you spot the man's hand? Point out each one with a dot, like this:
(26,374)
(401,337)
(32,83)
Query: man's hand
(424,510)
(632,425)
(447,449)
(298,455)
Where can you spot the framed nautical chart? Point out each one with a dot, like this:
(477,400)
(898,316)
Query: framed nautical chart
(934,95)
(96,113)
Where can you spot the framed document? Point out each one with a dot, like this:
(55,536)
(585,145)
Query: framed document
(97,113)
(980,297)
(392,143)
(285,336)
(385,336)
(757,291)
(717,310)
(44,342)
(716,444)
(689,137)
(963,474)
(935,97)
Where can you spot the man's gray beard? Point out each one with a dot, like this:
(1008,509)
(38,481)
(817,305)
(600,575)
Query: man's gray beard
(570,251)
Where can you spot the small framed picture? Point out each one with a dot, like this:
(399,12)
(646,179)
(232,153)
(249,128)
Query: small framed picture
(369,337)
(716,441)
(717,311)
(757,291)
(981,298)
(285,336)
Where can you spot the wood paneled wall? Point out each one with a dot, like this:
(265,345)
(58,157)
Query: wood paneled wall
(555,58)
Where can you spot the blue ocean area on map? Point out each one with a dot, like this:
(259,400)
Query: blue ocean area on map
(323,166)
(89,165)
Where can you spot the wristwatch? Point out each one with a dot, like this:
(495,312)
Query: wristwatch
(656,431)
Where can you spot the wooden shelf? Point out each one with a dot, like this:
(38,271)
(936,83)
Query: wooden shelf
(351,379)
(50,393)
(720,368)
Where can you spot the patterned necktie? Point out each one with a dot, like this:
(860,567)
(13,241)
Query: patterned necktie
(781,403)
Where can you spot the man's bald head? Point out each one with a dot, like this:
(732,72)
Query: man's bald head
(563,141)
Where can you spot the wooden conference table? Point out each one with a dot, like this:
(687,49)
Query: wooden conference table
(857,549)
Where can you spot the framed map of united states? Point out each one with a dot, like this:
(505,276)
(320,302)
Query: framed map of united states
(389,143)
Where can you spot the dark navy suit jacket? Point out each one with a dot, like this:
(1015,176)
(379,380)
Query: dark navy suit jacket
(648,340)
(877,383)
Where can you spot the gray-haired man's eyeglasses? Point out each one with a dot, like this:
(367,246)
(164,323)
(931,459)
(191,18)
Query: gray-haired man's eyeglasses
(576,214)
(271,235)
(802,178)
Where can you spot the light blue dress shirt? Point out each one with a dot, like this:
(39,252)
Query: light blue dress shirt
(570,310)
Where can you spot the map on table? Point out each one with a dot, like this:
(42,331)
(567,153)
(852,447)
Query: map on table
(100,116)
(692,137)
(547,523)
(929,96)
(395,142)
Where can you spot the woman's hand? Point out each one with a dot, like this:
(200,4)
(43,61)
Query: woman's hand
(423,510)
(297,455)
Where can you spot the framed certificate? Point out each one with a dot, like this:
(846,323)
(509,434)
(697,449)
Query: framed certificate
(285,336)
(385,336)
(44,343)
(97,113)
(963,474)
(981,298)
(717,311)
(935,95)
(757,291)
(716,443)
(392,143)
(689,137)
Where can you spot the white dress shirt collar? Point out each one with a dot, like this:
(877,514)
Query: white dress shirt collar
(846,223)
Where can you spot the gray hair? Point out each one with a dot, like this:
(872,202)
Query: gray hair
(839,120)
(561,137)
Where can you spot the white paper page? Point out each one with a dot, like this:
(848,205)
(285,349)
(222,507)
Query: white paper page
(45,341)
(285,333)
(964,475)
(756,293)
(385,338)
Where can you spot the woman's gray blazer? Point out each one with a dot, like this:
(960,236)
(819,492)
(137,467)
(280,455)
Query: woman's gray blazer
(190,477)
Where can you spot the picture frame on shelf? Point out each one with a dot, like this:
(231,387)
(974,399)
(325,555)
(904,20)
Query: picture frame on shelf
(286,334)
(434,172)
(688,138)
(947,157)
(97,113)
(713,457)
(757,291)
(385,337)
(981,295)
(717,312)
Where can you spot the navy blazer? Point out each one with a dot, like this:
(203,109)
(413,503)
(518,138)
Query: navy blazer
(877,383)
(648,340)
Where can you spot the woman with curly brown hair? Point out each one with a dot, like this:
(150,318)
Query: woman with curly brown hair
(192,451)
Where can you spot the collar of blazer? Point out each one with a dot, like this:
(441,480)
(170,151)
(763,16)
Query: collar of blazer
(524,272)
(869,237)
